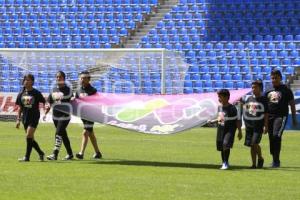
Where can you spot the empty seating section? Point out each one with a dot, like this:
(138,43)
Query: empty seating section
(227,43)
(260,20)
(69,23)
(233,41)
(63,24)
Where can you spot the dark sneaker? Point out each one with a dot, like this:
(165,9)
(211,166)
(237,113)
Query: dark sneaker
(260,163)
(275,165)
(79,156)
(68,157)
(52,157)
(41,157)
(24,159)
(97,155)
(252,167)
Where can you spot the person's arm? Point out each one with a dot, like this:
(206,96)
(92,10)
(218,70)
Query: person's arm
(238,124)
(266,115)
(266,123)
(212,121)
(291,101)
(215,120)
(47,106)
(293,109)
(19,113)
(239,127)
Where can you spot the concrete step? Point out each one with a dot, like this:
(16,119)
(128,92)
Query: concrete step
(133,41)
(131,46)
(164,7)
(296,82)
(155,19)
(139,35)
(295,85)
(151,23)
(148,26)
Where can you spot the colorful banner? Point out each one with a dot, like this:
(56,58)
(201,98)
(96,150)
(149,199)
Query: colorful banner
(155,114)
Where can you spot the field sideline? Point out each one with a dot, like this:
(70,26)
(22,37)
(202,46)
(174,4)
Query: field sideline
(139,166)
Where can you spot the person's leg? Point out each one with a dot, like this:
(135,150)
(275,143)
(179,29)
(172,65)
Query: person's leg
(94,141)
(36,146)
(57,141)
(29,143)
(253,155)
(256,138)
(226,155)
(259,154)
(222,156)
(227,144)
(278,128)
(65,138)
(84,141)
(271,138)
(219,145)
(249,143)
(260,159)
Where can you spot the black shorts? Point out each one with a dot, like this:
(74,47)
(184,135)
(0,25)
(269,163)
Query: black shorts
(277,126)
(225,141)
(32,121)
(253,136)
(88,125)
(32,124)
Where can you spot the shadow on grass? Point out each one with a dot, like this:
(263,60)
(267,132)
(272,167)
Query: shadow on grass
(162,164)
(169,164)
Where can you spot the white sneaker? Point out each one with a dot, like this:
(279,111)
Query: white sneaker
(224,166)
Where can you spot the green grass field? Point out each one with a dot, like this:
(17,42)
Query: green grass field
(138,166)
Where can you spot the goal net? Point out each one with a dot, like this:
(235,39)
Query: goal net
(139,71)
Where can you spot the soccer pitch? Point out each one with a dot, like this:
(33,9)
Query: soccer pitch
(139,166)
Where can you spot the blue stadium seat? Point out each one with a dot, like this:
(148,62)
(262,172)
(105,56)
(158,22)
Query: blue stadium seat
(229,85)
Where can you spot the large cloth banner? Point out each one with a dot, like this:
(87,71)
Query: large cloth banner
(154,114)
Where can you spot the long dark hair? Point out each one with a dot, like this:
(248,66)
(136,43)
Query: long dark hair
(30,76)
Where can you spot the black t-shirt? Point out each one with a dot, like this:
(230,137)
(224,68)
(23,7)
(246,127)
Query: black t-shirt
(227,118)
(60,97)
(85,91)
(253,111)
(29,102)
(278,101)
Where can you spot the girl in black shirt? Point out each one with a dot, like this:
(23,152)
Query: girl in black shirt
(59,99)
(28,101)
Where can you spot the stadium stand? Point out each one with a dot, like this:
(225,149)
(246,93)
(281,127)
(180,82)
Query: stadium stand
(226,43)
(232,39)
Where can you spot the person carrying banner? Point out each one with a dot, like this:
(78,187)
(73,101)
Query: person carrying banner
(86,89)
(255,115)
(59,99)
(227,123)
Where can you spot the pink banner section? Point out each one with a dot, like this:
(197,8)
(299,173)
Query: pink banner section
(154,114)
